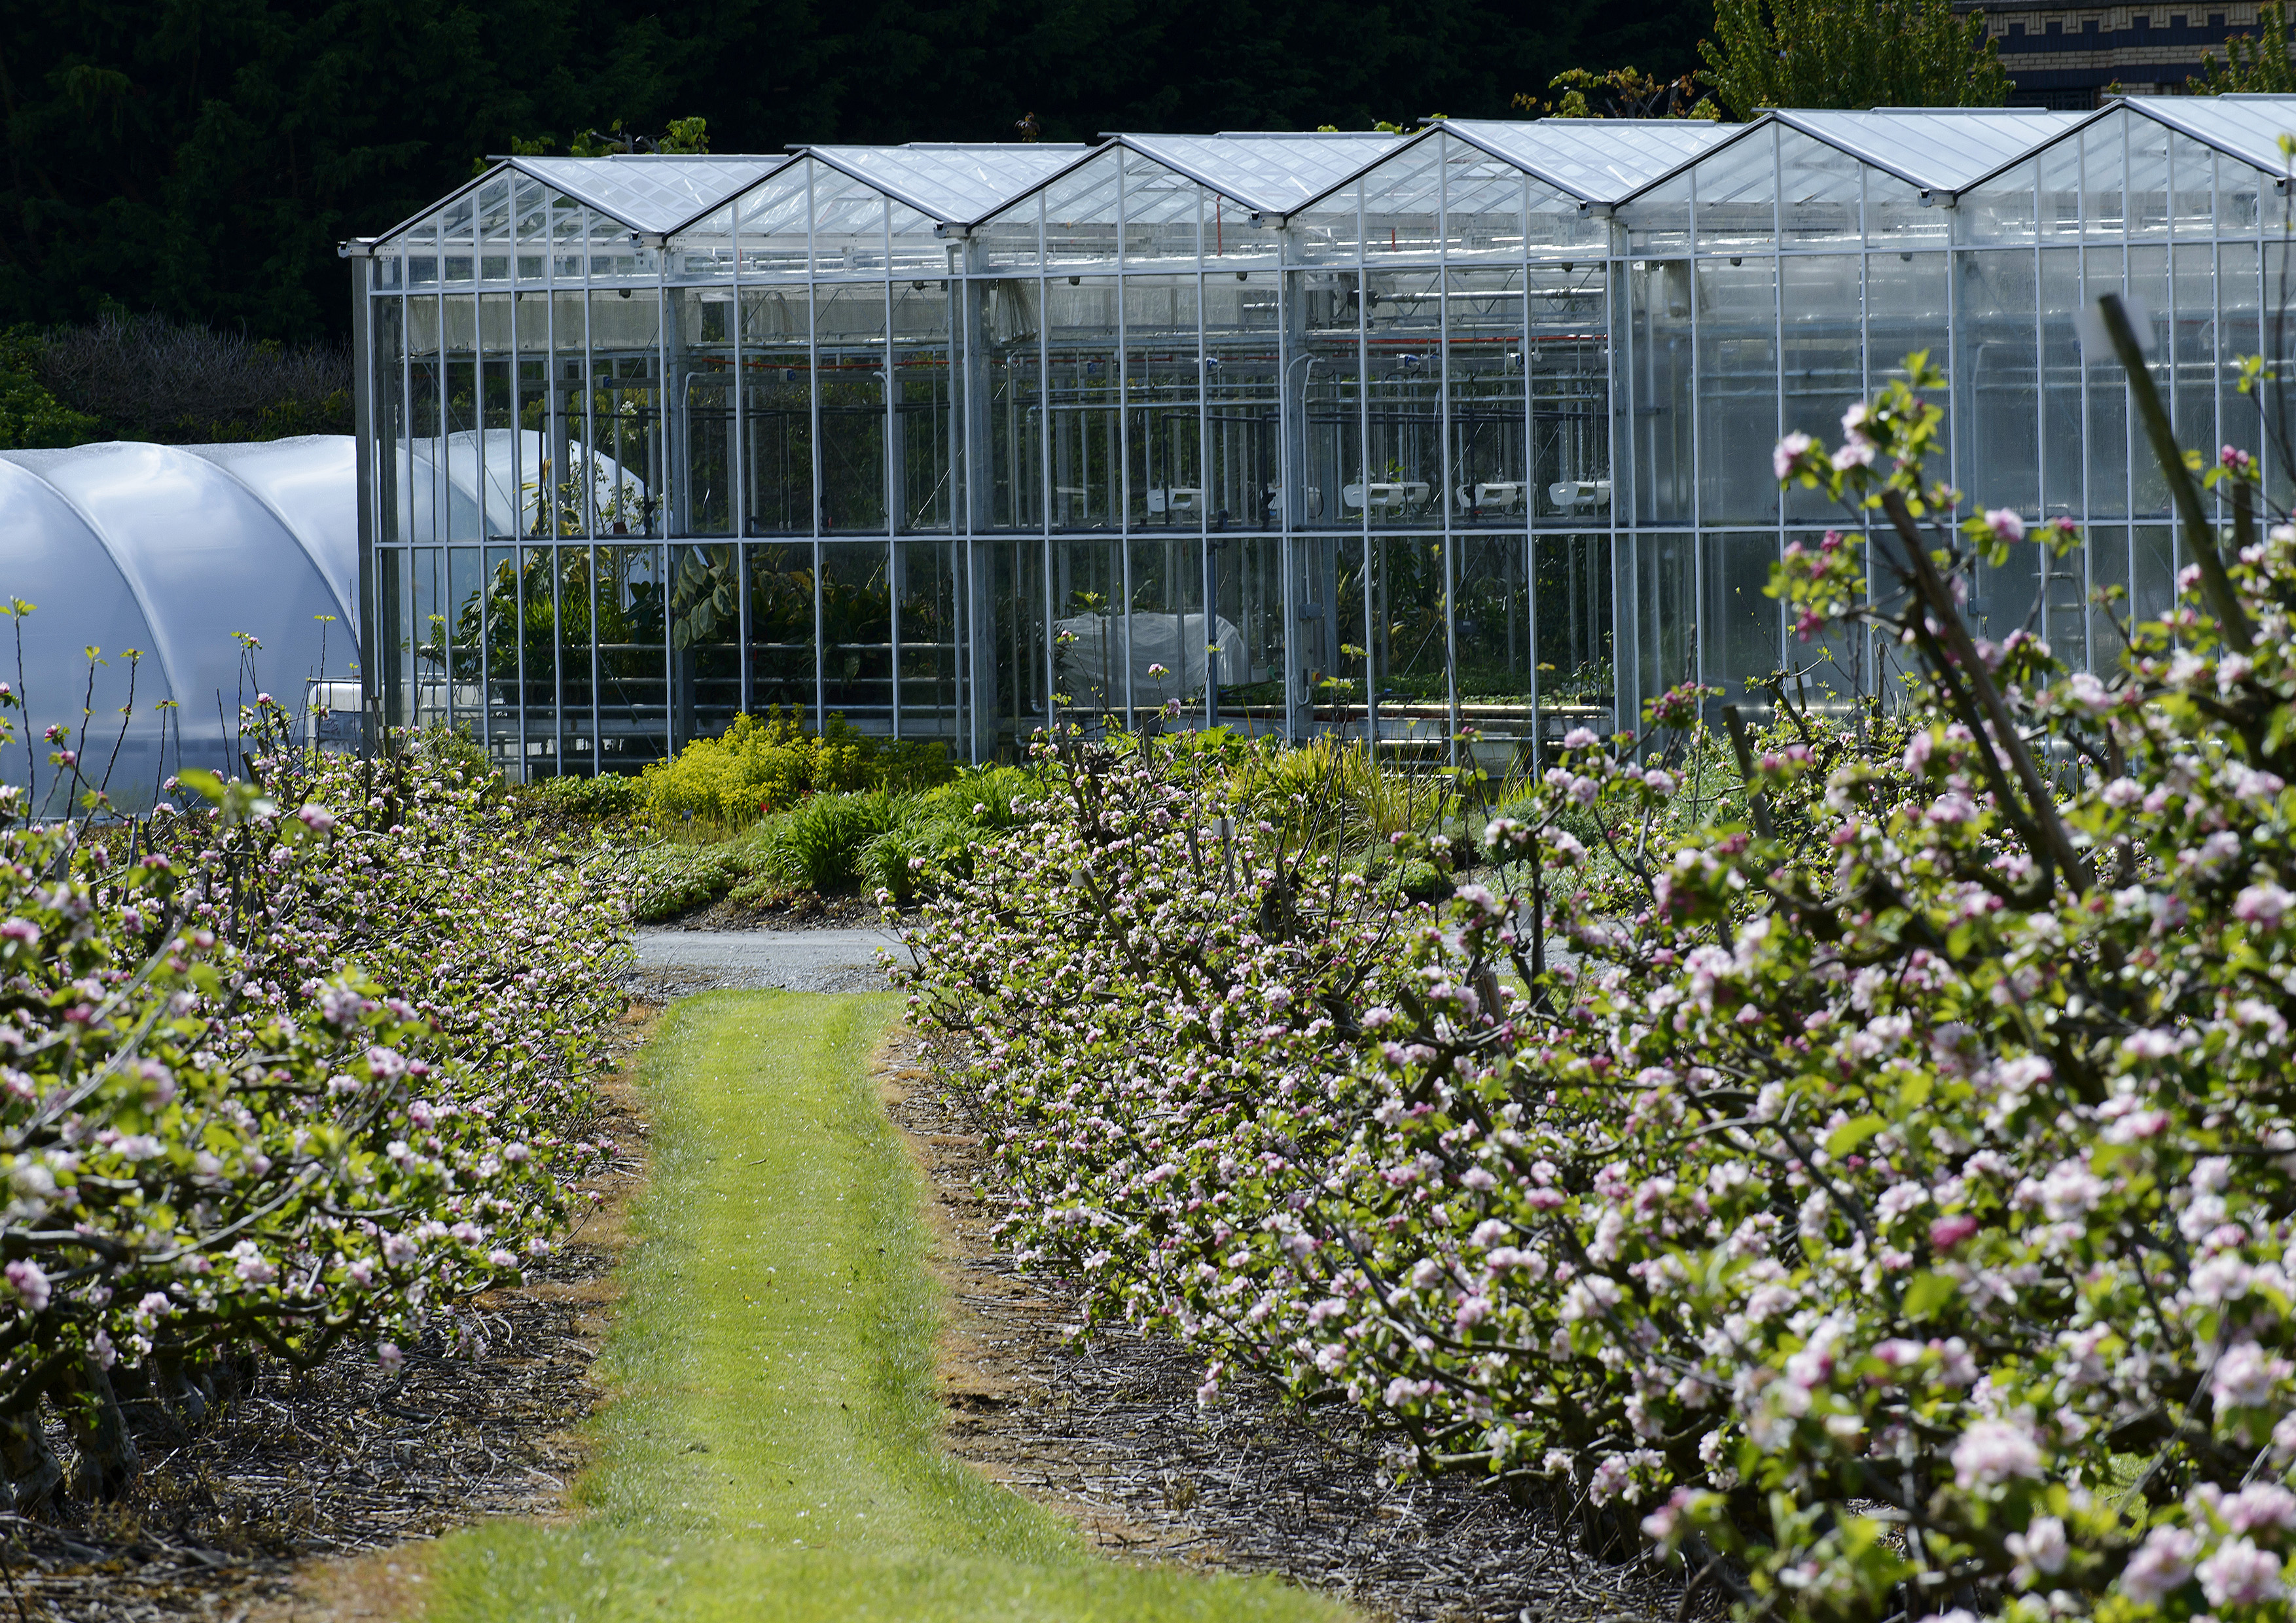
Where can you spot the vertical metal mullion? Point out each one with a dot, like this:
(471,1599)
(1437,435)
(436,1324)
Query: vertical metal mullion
(2128,402)
(1698,434)
(820,465)
(1291,474)
(1045,457)
(1530,479)
(1361,468)
(1208,597)
(1124,440)
(738,508)
(893,483)
(1778,345)
(1451,571)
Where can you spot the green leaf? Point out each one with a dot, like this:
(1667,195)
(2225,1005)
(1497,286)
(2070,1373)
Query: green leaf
(1849,1135)
(1927,1292)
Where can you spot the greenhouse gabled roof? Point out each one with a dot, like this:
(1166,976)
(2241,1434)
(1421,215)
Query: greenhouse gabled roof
(2248,128)
(955,184)
(649,193)
(1937,149)
(1273,172)
(1597,160)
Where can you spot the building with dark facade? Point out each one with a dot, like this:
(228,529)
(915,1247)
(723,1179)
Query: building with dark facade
(2066,56)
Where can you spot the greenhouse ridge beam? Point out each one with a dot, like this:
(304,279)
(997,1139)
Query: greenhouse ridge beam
(1297,433)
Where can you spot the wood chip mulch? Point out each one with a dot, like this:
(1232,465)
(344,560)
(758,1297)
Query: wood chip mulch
(1109,1432)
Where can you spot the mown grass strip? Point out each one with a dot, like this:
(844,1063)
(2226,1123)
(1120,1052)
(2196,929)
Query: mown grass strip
(771,1450)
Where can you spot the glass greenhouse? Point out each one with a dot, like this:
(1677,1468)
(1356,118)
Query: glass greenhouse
(1460,435)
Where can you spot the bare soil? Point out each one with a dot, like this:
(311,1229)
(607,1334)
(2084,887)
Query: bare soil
(1107,1431)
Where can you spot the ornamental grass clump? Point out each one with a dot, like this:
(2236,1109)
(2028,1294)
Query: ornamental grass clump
(307,1065)
(1887,1209)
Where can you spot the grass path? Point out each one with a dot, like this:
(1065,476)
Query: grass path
(771,1450)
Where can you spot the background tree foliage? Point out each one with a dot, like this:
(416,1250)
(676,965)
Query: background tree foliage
(2254,66)
(1864,54)
(201,158)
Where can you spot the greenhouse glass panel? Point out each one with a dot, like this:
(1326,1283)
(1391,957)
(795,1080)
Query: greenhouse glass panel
(704,612)
(1900,216)
(2240,332)
(1822,366)
(1161,212)
(1243,405)
(2063,477)
(1484,200)
(1498,656)
(1737,389)
(925,627)
(1658,220)
(1820,192)
(1572,598)
(772,224)
(1665,616)
(2105,191)
(781,671)
(2152,571)
(2188,315)
(1091,638)
(576,628)
(2146,189)
(1658,398)
(1738,622)
(1567,365)
(2002,210)
(851,401)
(1402,203)
(924,422)
(634,660)
(1333,429)
(1163,373)
(857,634)
(1997,379)
(1738,192)
(1330,230)
(1404,392)
(1410,646)
(2107,426)
(1080,212)
(1248,598)
(1489,483)
(849,237)
(1825,671)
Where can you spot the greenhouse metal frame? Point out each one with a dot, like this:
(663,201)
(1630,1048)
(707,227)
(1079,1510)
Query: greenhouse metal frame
(1455,442)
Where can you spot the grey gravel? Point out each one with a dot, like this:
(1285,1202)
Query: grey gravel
(674,963)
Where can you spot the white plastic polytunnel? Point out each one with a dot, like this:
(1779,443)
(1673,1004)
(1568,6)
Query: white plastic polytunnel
(160,558)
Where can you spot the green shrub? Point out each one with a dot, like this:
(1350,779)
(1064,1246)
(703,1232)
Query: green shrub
(763,765)
(818,845)
(667,879)
(610,795)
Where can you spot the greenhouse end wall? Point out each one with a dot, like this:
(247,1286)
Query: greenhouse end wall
(1457,442)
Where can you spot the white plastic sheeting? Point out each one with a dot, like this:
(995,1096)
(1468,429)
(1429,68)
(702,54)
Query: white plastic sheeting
(1091,656)
(173,551)
(509,466)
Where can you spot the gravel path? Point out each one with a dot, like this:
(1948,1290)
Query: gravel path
(672,963)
